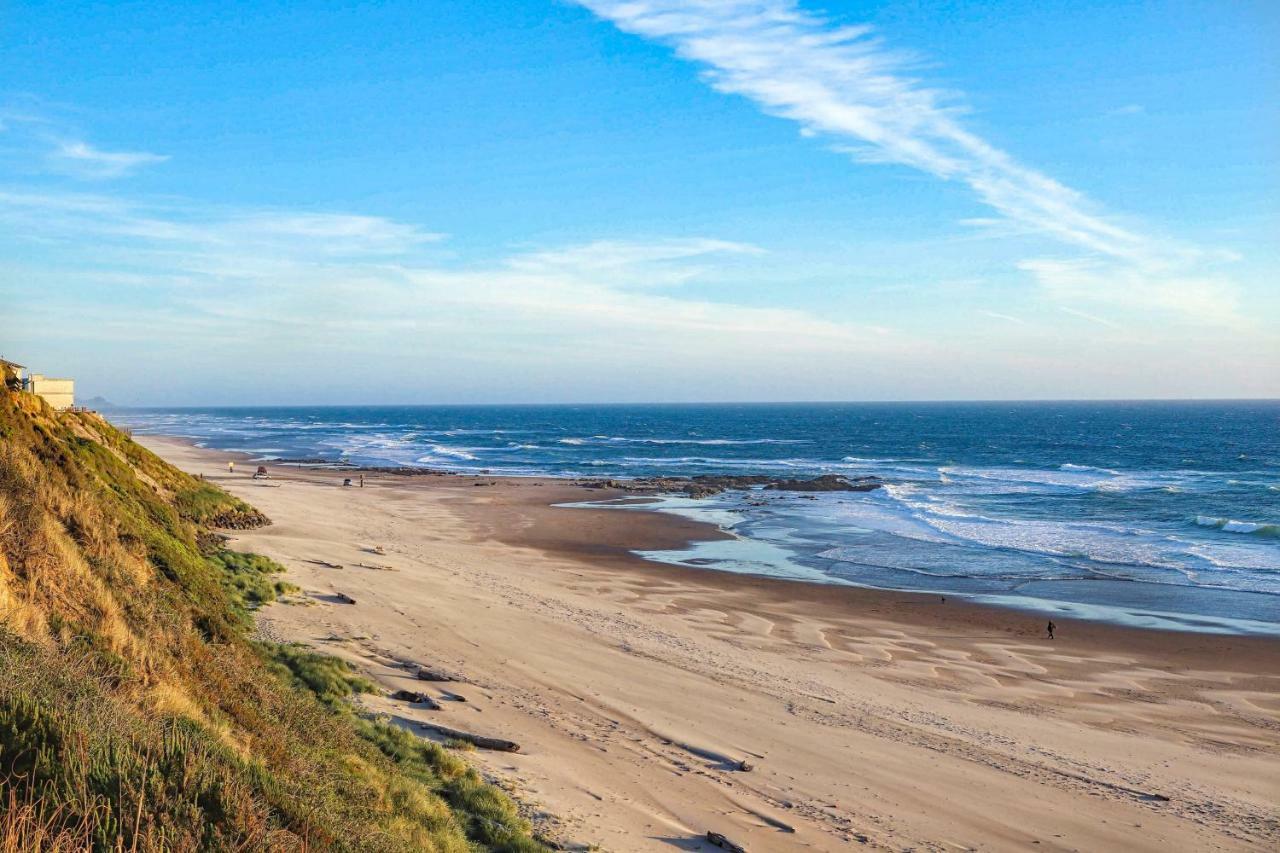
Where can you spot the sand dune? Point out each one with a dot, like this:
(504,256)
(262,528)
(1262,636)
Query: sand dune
(890,721)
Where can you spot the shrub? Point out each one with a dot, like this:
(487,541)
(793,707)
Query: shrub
(329,678)
(247,578)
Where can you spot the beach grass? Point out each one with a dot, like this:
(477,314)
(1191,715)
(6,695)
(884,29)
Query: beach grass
(136,711)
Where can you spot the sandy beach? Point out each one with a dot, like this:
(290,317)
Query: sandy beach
(876,719)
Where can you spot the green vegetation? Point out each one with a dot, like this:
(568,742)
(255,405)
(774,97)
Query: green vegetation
(135,711)
(489,815)
(247,580)
(330,679)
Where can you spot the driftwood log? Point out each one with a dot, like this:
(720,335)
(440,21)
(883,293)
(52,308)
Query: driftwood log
(478,740)
(425,674)
(717,840)
(416,698)
(326,564)
(344,598)
(451,696)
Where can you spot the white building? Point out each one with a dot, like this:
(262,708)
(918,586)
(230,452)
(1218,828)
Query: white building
(58,393)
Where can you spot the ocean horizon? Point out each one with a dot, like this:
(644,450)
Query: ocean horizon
(1162,514)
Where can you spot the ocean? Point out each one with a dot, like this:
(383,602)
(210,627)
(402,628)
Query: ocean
(1156,514)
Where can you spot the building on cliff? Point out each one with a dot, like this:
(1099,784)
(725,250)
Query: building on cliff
(11,374)
(58,393)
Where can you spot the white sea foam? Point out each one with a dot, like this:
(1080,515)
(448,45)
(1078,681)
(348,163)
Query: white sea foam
(439,450)
(707,442)
(1243,555)
(1070,466)
(1231,525)
(946,522)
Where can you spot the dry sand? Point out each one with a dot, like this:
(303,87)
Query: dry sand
(879,719)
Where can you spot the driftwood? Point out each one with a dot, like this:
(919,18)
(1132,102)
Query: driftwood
(425,674)
(344,598)
(451,696)
(416,698)
(478,740)
(717,840)
(325,563)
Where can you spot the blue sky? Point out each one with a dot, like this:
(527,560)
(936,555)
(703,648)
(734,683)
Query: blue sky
(652,200)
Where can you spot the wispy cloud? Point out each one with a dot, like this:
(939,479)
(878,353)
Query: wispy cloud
(841,81)
(41,138)
(655,262)
(1127,110)
(83,160)
(1008,318)
(1092,318)
(237,232)
(308,274)
(391,318)
(1203,299)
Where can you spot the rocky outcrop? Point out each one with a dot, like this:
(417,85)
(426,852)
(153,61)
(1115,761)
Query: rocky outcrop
(242,517)
(705,485)
(828,483)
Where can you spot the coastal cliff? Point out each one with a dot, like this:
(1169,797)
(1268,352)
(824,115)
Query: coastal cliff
(137,712)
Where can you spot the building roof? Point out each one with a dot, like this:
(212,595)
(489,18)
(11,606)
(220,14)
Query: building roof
(12,363)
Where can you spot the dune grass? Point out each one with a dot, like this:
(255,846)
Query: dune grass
(136,713)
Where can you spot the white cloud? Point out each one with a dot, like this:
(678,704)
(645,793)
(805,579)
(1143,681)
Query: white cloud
(655,262)
(1128,110)
(536,325)
(1008,318)
(83,160)
(246,232)
(1205,300)
(841,81)
(281,270)
(1092,318)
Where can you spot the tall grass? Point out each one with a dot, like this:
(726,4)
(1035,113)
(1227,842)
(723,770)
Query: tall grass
(135,711)
(32,823)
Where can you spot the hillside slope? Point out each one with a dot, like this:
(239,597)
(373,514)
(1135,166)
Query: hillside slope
(136,713)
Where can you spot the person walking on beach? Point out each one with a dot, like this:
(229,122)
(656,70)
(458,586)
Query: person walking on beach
(362,481)
(231,467)
(1051,627)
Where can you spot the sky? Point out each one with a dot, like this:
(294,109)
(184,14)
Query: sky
(641,200)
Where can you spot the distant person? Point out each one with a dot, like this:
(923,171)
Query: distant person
(231,467)
(1050,628)
(362,481)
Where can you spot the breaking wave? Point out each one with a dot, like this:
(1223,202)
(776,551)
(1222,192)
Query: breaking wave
(439,451)
(1230,525)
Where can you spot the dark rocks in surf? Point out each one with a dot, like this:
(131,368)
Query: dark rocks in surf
(705,485)
(828,483)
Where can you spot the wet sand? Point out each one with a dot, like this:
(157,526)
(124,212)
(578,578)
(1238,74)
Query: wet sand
(884,719)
